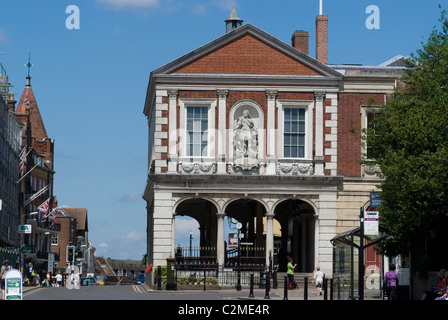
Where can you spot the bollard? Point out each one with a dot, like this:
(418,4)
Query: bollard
(251,290)
(159,278)
(285,289)
(268,285)
(305,289)
(274,280)
(205,278)
(325,288)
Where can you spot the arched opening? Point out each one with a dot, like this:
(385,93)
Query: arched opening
(249,213)
(297,221)
(202,211)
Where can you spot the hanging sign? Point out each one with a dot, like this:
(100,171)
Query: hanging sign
(375,200)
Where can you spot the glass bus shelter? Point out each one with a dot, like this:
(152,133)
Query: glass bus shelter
(346,265)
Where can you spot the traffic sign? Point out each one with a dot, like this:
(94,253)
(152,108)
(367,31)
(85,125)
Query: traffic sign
(371,223)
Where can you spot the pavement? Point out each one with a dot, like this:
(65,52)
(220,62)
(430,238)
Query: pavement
(258,294)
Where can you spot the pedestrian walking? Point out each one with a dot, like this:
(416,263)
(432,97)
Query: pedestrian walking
(318,279)
(290,273)
(30,273)
(59,279)
(391,280)
(5,268)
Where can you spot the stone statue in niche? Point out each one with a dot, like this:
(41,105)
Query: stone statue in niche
(245,153)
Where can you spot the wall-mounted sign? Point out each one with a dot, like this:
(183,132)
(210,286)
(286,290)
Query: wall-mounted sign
(25,228)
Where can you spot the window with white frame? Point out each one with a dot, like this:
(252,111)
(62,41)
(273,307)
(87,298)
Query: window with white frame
(294,133)
(197,131)
(295,130)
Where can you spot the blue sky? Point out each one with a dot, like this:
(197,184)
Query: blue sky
(90,83)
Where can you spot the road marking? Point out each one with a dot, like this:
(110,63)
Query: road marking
(136,289)
(27,293)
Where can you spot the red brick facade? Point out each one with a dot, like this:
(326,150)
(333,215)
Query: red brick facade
(246,55)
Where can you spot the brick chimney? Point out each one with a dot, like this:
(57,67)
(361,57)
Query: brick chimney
(322,38)
(299,40)
(11,102)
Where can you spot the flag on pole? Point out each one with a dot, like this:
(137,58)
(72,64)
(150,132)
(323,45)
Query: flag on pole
(43,209)
(52,217)
(23,160)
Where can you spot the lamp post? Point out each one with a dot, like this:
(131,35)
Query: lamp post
(191,240)
(238,285)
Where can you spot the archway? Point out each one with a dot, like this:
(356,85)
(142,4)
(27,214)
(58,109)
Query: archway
(297,220)
(204,212)
(249,213)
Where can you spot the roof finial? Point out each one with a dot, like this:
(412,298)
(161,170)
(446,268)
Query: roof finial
(233,21)
(28,65)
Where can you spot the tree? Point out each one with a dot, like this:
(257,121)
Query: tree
(411,147)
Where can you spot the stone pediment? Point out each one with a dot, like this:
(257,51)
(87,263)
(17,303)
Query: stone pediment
(247,50)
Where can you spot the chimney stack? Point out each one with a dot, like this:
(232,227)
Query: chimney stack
(11,102)
(322,38)
(299,41)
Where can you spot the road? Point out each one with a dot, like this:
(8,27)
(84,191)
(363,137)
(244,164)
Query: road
(213,304)
(136,292)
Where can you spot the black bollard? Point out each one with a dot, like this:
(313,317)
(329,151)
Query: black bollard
(274,280)
(325,288)
(251,290)
(305,289)
(285,289)
(268,285)
(205,278)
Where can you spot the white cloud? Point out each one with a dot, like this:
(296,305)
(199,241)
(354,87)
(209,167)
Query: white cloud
(102,246)
(200,9)
(134,236)
(3,36)
(130,4)
(130,197)
(227,5)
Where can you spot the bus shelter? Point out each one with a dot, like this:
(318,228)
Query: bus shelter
(346,247)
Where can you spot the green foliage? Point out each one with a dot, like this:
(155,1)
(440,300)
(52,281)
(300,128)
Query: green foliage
(411,145)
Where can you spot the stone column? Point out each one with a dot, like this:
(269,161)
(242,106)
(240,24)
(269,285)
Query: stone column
(222,131)
(220,239)
(271,133)
(172,127)
(319,137)
(269,236)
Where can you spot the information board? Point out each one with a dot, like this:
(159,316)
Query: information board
(13,285)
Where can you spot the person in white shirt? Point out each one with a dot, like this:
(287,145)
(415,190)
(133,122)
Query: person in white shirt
(318,279)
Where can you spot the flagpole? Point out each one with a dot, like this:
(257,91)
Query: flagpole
(27,173)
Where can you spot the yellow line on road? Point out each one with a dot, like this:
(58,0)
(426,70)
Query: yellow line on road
(136,289)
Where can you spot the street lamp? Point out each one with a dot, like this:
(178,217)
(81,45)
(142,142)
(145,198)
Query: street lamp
(238,285)
(191,240)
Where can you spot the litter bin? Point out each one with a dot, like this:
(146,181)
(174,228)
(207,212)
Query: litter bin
(170,278)
(263,277)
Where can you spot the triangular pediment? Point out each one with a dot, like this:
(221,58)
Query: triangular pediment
(248,50)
